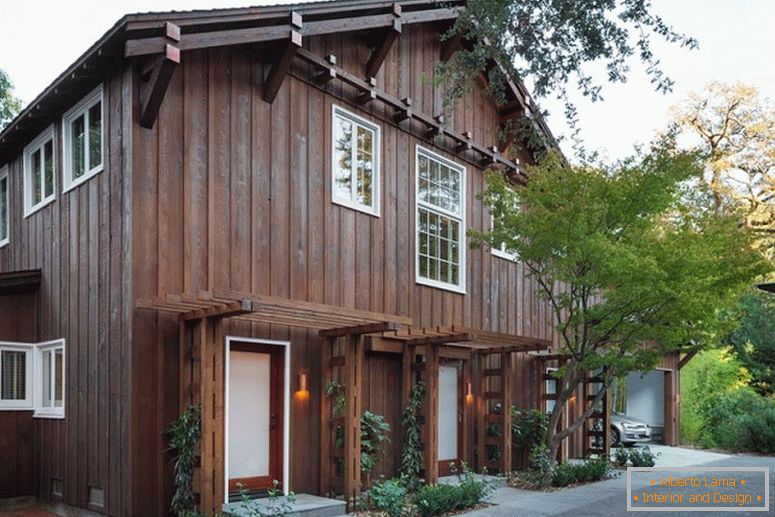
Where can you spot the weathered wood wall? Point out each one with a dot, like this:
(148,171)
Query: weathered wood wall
(232,192)
(79,242)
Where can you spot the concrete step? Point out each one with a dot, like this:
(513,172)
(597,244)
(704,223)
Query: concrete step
(306,505)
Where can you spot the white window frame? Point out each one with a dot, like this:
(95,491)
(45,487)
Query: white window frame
(338,111)
(82,108)
(555,383)
(49,411)
(27,403)
(4,175)
(501,251)
(459,288)
(36,145)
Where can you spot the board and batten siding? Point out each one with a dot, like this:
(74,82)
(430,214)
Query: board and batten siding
(231,192)
(80,243)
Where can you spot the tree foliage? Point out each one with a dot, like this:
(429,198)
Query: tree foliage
(622,259)
(753,339)
(551,42)
(733,129)
(9,104)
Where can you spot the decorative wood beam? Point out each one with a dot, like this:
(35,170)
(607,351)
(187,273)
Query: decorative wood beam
(383,48)
(280,69)
(354,354)
(403,111)
(368,328)
(165,65)
(686,358)
(507,365)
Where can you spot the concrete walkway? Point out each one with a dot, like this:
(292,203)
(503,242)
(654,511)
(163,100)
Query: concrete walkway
(608,498)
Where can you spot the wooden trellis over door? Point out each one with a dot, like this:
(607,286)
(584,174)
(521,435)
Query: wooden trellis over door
(547,379)
(596,431)
(494,410)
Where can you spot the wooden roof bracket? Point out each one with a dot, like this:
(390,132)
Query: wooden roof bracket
(158,74)
(283,63)
(382,49)
(357,330)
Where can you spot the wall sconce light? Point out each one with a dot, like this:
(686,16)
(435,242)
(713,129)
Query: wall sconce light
(469,392)
(572,399)
(302,382)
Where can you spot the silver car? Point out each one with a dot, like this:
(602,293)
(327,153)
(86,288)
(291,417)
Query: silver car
(627,430)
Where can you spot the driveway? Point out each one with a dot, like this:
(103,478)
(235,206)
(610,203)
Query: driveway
(609,497)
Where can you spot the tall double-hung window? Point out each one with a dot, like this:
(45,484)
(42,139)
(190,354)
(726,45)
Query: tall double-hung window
(440,222)
(39,172)
(5,212)
(355,162)
(82,128)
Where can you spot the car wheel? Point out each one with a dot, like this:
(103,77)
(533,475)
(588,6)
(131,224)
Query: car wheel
(614,437)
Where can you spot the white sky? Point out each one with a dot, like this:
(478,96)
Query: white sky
(39,39)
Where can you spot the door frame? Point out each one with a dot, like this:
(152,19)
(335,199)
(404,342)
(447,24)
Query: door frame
(286,407)
(443,464)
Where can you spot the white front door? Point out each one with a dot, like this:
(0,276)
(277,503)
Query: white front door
(448,413)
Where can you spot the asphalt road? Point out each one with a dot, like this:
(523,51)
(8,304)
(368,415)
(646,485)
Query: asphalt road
(609,497)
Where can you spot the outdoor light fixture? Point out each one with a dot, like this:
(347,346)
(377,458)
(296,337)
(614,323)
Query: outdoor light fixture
(469,392)
(302,382)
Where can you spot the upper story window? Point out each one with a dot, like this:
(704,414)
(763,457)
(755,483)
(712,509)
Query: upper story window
(502,250)
(82,128)
(32,377)
(355,162)
(5,212)
(39,172)
(440,222)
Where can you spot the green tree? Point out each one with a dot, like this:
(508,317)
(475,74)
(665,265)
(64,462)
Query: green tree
(622,259)
(9,104)
(753,339)
(553,42)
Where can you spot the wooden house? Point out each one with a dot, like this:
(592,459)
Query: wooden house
(238,208)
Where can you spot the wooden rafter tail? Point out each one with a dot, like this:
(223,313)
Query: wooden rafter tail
(368,328)
(160,78)
(382,49)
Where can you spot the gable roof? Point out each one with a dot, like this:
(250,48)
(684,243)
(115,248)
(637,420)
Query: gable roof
(142,34)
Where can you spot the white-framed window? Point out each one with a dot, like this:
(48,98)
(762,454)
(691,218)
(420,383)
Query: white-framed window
(83,147)
(440,233)
(16,364)
(50,379)
(502,250)
(32,377)
(550,388)
(5,211)
(355,148)
(39,172)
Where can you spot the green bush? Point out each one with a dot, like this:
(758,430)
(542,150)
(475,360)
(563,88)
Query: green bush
(742,420)
(621,456)
(593,469)
(528,428)
(643,457)
(440,499)
(389,496)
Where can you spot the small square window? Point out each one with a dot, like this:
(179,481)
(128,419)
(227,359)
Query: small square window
(355,162)
(57,487)
(83,131)
(5,211)
(96,496)
(39,172)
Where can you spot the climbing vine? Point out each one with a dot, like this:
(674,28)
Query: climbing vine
(411,453)
(183,437)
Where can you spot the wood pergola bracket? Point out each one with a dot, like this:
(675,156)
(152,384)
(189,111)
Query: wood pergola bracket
(159,77)
(281,66)
(382,49)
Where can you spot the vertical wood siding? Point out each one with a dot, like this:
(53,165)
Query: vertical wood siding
(232,192)
(80,244)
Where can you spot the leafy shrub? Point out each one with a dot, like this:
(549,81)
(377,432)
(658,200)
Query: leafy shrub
(528,428)
(440,499)
(411,452)
(389,496)
(621,456)
(643,457)
(374,437)
(743,420)
(183,437)
(275,505)
(588,470)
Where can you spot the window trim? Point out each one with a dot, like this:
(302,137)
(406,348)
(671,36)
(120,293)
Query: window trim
(376,182)
(4,175)
(461,217)
(38,144)
(82,108)
(28,402)
(53,411)
(501,252)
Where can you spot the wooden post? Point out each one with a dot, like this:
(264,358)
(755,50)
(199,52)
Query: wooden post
(326,350)
(407,378)
(606,422)
(481,414)
(354,351)
(507,368)
(432,414)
